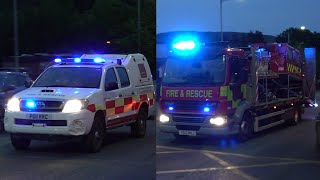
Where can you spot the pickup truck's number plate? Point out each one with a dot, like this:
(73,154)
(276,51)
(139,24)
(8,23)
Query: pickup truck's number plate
(187,133)
(38,116)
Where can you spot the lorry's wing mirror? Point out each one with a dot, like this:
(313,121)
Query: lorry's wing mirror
(111,86)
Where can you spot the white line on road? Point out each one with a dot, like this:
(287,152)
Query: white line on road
(231,167)
(181,150)
(227,165)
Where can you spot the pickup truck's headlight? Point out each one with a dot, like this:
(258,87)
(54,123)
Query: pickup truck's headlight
(74,105)
(13,105)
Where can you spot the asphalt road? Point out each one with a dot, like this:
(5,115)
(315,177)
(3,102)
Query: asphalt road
(123,157)
(283,152)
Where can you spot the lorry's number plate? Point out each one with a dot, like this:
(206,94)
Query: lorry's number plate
(38,116)
(187,133)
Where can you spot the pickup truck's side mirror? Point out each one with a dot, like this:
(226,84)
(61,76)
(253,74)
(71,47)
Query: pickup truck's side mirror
(111,86)
(27,84)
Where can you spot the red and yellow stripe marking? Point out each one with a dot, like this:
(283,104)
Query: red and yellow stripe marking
(122,105)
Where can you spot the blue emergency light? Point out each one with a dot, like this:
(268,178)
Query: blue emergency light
(185,45)
(206,109)
(57,60)
(79,60)
(98,60)
(170,108)
(30,104)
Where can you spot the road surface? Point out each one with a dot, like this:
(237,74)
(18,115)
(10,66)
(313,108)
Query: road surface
(283,152)
(122,157)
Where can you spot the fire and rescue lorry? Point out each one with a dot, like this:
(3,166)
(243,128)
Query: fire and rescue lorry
(213,90)
(83,97)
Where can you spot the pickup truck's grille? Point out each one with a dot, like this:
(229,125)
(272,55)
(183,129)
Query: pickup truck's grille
(42,106)
(46,122)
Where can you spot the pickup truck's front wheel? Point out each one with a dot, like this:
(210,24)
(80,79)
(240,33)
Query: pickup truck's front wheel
(93,142)
(19,142)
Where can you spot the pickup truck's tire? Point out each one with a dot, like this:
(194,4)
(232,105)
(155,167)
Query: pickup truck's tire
(246,127)
(93,141)
(138,128)
(2,111)
(1,125)
(19,142)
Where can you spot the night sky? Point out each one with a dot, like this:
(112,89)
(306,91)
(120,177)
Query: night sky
(269,16)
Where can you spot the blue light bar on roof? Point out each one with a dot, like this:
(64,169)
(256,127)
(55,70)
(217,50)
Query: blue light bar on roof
(77,60)
(96,60)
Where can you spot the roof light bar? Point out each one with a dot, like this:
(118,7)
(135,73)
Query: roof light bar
(79,60)
(57,60)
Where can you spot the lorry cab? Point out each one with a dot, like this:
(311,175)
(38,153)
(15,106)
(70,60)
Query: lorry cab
(83,97)
(201,90)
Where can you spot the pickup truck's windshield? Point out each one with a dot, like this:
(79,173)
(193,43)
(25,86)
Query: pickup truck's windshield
(195,72)
(75,77)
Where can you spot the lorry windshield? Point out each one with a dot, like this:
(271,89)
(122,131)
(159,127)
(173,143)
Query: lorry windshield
(195,72)
(74,77)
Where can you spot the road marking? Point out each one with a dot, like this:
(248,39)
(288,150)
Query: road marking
(177,150)
(231,167)
(227,165)
(174,152)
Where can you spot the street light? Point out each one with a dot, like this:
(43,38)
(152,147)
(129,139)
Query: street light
(15,34)
(139,26)
(221,31)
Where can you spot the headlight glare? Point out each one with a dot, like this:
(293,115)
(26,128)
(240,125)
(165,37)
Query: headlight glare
(13,105)
(164,118)
(74,105)
(218,121)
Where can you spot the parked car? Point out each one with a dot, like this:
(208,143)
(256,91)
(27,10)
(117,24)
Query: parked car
(10,84)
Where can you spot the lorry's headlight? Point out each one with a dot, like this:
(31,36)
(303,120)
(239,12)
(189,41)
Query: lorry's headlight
(13,105)
(218,121)
(164,118)
(74,105)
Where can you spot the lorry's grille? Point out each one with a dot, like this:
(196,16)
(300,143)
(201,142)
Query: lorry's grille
(46,122)
(190,105)
(42,106)
(185,127)
(188,119)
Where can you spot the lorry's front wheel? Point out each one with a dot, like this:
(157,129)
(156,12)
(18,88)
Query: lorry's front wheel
(296,116)
(138,129)
(19,142)
(246,128)
(93,142)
